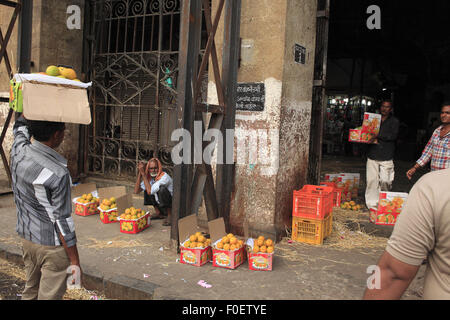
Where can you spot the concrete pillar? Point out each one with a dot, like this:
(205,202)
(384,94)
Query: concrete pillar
(279,135)
(54,43)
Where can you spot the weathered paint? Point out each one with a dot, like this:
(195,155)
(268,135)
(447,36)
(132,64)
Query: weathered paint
(52,43)
(269,31)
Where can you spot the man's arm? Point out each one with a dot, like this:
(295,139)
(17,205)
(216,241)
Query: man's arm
(396,276)
(137,185)
(21,133)
(423,160)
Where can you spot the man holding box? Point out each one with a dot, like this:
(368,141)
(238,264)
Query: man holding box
(380,158)
(41,184)
(438,148)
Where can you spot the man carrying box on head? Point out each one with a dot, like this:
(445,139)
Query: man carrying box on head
(158,188)
(41,184)
(380,157)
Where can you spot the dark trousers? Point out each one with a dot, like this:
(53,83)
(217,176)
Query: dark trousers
(164,197)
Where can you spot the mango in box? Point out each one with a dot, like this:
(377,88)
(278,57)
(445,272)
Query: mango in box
(260,253)
(228,249)
(132,216)
(262,245)
(86,205)
(197,241)
(229,243)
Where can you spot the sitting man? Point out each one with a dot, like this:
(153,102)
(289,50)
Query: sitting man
(158,187)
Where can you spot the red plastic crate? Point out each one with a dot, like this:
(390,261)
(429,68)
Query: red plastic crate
(313,202)
(337,192)
(134,226)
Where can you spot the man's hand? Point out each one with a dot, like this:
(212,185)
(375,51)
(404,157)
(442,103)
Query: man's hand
(411,172)
(141,168)
(373,140)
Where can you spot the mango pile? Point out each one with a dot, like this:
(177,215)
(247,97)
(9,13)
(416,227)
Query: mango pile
(262,245)
(229,243)
(133,214)
(351,205)
(61,72)
(87,198)
(197,241)
(108,204)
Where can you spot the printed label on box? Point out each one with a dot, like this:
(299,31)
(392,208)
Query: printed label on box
(390,206)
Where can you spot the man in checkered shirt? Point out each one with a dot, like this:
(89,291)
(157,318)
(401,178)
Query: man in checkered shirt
(438,148)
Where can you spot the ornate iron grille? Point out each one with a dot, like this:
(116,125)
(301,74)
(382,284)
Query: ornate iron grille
(134,70)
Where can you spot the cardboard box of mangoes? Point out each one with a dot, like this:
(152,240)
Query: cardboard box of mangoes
(195,246)
(85,199)
(228,249)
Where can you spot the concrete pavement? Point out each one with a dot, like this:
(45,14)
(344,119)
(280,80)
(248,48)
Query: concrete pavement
(143,266)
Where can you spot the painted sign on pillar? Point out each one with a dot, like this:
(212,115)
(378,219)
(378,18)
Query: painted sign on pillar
(250,97)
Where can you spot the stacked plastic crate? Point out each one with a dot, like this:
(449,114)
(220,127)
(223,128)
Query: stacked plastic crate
(312,214)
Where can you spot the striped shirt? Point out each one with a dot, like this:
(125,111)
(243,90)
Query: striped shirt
(437,150)
(41,184)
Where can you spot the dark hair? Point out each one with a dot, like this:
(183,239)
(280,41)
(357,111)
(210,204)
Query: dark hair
(446,104)
(388,101)
(43,130)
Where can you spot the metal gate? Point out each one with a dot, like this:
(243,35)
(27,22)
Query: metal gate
(134,46)
(319,99)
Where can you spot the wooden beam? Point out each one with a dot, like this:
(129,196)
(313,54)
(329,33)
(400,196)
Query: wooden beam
(231,49)
(190,35)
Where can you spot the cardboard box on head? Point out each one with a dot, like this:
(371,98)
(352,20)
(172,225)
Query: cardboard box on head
(188,226)
(48,98)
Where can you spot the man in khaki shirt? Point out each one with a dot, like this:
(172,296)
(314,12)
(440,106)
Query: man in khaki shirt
(422,232)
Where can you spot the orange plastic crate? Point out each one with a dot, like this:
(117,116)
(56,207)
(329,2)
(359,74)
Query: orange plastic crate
(312,202)
(311,231)
(337,192)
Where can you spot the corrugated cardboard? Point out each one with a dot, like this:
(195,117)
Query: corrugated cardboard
(217,229)
(124,202)
(195,257)
(187,226)
(111,192)
(55,102)
(81,189)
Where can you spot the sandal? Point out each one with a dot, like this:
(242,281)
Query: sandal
(166,223)
(156,216)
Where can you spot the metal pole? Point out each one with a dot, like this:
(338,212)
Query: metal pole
(25,31)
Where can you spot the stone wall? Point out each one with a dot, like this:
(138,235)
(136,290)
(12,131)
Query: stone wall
(52,43)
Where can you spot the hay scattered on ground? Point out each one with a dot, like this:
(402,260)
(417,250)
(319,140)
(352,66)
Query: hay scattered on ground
(345,238)
(115,243)
(18,272)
